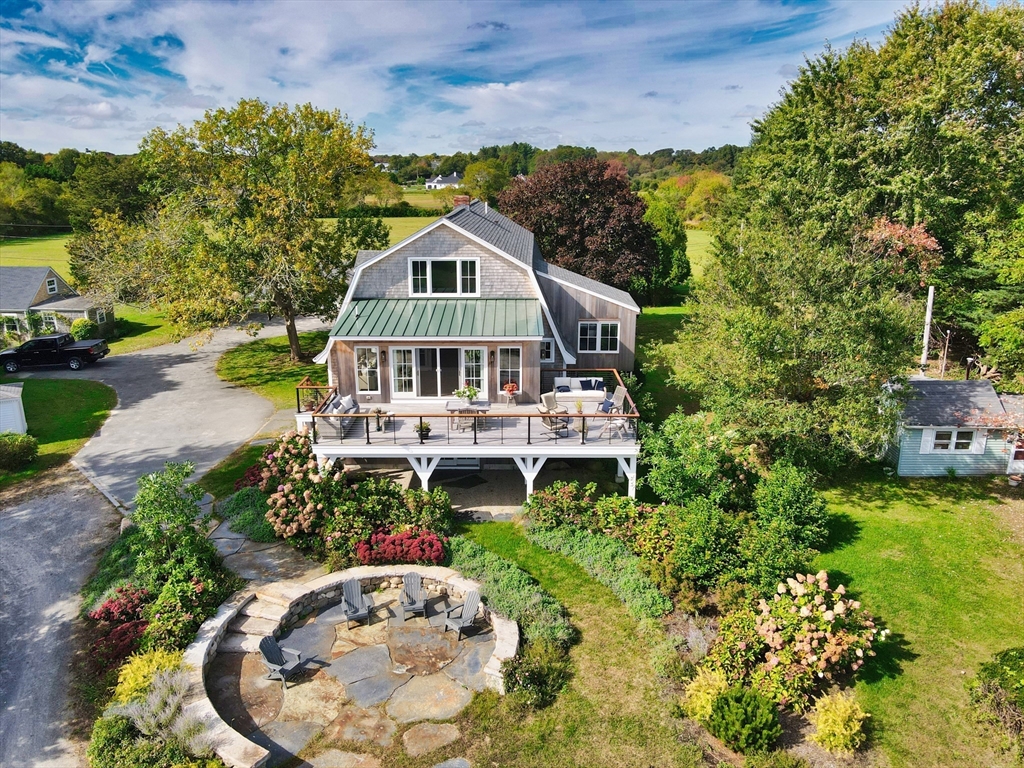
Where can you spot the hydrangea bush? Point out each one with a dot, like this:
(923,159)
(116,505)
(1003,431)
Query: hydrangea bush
(409,546)
(806,637)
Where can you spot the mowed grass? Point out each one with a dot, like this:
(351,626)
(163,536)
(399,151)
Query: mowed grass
(421,198)
(935,560)
(220,481)
(62,414)
(403,226)
(265,366)
(658,325)
(610,713)
(698,250)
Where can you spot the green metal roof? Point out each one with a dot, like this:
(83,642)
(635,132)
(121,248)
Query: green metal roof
(461,318)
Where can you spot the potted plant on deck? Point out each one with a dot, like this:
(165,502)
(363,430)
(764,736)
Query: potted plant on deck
(423,430)
(467,393)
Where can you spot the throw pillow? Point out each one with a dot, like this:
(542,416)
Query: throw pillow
(606,406)
(347,402)
(561,388)
(599,385)
(587,385)
(562,381)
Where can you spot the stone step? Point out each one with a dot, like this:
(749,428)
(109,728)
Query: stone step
(280,592)
(236,642)
(263,610)
(252,625)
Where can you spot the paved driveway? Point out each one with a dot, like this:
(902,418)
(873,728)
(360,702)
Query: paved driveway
(171,407)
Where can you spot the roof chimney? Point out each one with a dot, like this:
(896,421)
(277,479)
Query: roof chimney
(460,200)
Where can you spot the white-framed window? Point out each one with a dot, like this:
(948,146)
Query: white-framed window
(473,368)
(547,350)
(510,366)
(950,440)
(10,324)
(367,372)
(101,316)
(51,285)
(599,336)
(49,321)
(402,372)
(444,277)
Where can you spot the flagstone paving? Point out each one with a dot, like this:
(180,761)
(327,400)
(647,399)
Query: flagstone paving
(361,685)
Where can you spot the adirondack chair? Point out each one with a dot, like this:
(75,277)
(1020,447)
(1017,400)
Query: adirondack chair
(355,605)
(466,614)
(279,667)
(618,399)
(413,599)
(466,419)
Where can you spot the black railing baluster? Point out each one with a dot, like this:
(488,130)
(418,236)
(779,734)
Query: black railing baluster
(528,441)
(421,430)
(475,419)
(366,421)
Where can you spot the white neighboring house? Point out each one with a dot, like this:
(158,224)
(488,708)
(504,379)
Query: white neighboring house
(12,410)
(443,182)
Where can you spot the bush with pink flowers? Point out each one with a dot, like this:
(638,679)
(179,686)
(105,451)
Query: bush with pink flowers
(803,639)
(412,546)
(125,605)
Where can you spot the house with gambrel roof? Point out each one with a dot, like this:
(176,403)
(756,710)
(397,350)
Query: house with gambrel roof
(469,300)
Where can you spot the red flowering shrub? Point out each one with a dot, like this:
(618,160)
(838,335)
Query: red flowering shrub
(409,546)
(126,605)
(117,645)
(253,477)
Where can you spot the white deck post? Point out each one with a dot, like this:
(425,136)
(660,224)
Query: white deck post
(628,466)
(530,466)
(424,467)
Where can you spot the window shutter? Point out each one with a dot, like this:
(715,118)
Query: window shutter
(980,439)
(927,440)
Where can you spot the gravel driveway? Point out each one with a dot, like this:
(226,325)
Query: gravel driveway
(171,407)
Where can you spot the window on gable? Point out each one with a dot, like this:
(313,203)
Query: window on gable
(51,285)
(547,351)
(444,277)
(101,316)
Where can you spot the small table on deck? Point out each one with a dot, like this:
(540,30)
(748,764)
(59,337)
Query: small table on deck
(454,406)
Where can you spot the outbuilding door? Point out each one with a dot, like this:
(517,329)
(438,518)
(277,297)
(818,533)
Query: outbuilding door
(1016,466)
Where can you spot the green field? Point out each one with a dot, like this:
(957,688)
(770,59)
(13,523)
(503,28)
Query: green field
(62,414)
(37,252)
(698,250)
(656,325)
(402,227)
(421,198)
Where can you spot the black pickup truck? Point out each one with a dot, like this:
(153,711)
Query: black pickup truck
(55,349)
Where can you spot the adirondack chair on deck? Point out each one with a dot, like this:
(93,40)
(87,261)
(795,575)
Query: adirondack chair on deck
(274,659)
(466,614)
(413,599)
(355,605)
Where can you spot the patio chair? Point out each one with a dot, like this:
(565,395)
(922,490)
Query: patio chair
(466,614)
(553,421)
(413,599)
(551,405)
(279,667)
(465,419)
(618,399)
(355,605)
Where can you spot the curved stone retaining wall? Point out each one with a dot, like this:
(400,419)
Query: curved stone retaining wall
(286,602)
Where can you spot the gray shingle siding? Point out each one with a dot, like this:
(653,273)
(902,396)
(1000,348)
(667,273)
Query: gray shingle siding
(389,277)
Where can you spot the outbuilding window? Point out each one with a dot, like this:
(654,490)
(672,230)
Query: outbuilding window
(950,440)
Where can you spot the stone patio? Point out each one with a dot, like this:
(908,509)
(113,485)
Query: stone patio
(363,686)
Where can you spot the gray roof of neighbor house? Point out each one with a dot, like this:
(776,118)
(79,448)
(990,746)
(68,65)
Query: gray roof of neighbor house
(66,303)
(942,403)
(453,179)
(518,242)
(19,286)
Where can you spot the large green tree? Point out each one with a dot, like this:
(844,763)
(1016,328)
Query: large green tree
(485,179)
(926,129)
(239,227)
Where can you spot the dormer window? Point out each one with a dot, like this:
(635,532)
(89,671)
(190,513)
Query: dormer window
(444,277)
(51,285)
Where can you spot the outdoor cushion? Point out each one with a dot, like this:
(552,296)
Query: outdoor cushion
(587,385)
(606,406)
(561,388)
(562,381)
(347,402)
(599,384)
(575,385)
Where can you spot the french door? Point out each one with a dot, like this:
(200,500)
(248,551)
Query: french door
(436,372)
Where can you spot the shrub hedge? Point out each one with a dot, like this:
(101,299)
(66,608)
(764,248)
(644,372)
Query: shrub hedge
(608,561)
(17,451)
(745,721)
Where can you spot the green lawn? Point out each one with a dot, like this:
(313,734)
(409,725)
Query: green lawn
(421,198)
(37,252)
(220,481)
(935,561)
(653,326)
(62,414)
(611,713)
(698,250)
(264,366)
(403,226)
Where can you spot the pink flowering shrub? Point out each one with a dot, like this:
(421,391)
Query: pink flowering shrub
(126,605)
(113,648)
(409,546)
(252,478)
(801,640)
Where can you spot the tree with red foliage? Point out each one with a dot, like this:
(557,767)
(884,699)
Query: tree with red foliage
(587,220)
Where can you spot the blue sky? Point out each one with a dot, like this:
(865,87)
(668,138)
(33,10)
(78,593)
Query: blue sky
(425,76)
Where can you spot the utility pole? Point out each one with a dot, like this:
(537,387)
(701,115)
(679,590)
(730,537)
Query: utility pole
(926,337)
(945,353)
